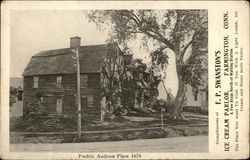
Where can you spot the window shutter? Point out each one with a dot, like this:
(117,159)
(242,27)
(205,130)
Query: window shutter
(36,81)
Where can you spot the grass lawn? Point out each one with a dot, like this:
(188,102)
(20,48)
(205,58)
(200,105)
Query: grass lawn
(122,128)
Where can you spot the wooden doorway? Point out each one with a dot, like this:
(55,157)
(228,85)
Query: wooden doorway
(59,106)
(84,102)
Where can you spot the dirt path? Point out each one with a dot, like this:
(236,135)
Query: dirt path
(176,144)
(17,109)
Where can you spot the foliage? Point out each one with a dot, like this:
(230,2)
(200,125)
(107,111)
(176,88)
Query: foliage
(159,62)
(183,31)
(34,123)
(13,95)
(35,107)
(111,72)
(13,91)
(174,29)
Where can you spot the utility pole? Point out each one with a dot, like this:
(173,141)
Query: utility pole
(162,106)
(162,125)
(78,95)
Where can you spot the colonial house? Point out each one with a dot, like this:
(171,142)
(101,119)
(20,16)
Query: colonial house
(197,101)
(50,78)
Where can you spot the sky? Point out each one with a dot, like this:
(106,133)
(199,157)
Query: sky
(33,31)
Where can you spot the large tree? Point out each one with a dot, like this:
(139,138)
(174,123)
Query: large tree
(184,32)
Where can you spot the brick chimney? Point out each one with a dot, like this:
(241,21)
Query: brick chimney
(75,42)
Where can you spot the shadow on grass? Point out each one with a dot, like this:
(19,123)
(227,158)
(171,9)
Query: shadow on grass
(112,136)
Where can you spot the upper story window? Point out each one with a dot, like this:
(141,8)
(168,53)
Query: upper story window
(36,81)
(84,80)
(59,81)
(90,101)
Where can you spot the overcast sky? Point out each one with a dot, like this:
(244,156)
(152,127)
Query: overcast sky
(33,31)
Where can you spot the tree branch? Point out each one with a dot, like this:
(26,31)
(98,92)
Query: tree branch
(134,17)
(177,22)
(146,30)
(185,49)
(136,20)
(161,39)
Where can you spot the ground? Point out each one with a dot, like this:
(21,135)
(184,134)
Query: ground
(132,121)
(176,144)
(131,127)
(124,128)
(17,109)
(131,133)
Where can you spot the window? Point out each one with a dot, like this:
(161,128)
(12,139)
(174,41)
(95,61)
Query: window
(59,81)
(90,101)
(84,80)
(36,81)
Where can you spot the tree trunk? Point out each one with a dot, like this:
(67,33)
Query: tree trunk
(176,109)
(176,112)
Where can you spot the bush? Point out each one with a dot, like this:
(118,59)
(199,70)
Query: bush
(160,103)
(12,100)
(116,137)
(13,95)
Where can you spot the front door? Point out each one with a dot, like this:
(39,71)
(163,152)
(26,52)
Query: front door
(84,102)
(59,106)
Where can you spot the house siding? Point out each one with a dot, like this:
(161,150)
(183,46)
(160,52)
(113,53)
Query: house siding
(190,99)
(92,90)
(202,95)
(29,94)
(48,89)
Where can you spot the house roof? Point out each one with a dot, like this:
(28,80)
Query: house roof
(61,60)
